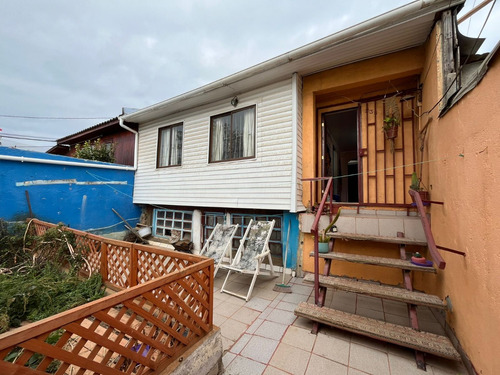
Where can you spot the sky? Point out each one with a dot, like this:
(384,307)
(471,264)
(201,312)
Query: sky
(83,61)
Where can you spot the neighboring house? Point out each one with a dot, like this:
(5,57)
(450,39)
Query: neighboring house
(239,148)
(109,132)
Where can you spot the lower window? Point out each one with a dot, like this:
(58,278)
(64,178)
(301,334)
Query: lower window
(173,223)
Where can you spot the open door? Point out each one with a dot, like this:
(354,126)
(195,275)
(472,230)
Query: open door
(340,152)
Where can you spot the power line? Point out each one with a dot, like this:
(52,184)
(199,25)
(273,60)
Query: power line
(56,118)
(27,137)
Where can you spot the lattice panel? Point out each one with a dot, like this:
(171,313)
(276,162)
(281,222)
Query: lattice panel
(119,261)
(151,265)
(90,249)
(134,336)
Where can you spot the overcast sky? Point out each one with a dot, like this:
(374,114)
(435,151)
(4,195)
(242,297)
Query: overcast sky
(91,58)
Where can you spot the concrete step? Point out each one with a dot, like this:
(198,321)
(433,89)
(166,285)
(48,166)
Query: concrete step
(364,237)
(377,290)
(376,261)
(404,336)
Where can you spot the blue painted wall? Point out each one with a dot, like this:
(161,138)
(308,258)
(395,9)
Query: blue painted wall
(292,220)
(78,196)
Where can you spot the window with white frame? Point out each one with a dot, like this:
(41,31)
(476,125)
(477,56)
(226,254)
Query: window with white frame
(173,223)
(170,146)
(232,135)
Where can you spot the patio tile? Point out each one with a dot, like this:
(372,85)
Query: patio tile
(245,315)
(267,293)
(290,359)
(219,319)
(332,348)
(300,338)
(396,319)
(303,323)
(260,349)
(287,306)
(226,343)
(335,332)
(281,316)
(369,342)
(395,308)
(302,289)
(244,366)
(372,303)
(442,366)
(264,314)
(257,303)
(353,371)
(294,298)
(320,365)
(403,366)
(370,360)
(374,314)
(271,330)
(256,324)
(227,358)
(270,370)
(240,344)
(227,309)
(232,329)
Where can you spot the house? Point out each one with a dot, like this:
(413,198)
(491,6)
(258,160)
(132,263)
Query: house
(262,143)
(109,132)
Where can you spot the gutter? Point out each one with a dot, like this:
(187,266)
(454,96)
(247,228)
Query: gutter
(136,141)
(23,159)
(388,19)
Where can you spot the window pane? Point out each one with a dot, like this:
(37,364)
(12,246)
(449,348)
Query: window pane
(220,138)
(170,144)
(176,157)
(243,133)
(164,147)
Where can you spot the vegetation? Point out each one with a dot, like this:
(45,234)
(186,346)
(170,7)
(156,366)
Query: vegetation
(39,275)
(96,150)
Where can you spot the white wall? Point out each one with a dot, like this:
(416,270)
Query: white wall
(260,183)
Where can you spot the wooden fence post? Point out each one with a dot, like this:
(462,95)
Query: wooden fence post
(133,265)
(104,261)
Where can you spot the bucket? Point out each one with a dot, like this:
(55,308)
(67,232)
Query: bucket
(144,232)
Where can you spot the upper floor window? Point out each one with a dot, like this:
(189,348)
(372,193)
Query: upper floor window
(169,146)
(232,135)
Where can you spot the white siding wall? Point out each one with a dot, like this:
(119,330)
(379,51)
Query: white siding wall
(260,183)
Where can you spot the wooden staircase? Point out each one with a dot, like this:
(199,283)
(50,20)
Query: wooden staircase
(411,337)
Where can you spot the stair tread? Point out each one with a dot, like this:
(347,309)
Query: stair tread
(376,261)
(376,290)
(364,237)
(388,332)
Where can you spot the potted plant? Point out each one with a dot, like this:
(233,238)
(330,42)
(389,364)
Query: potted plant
(323,240)
(415,185)
(390,127)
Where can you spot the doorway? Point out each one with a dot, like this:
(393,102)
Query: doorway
(340,153)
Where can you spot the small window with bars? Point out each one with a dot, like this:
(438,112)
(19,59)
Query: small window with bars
(173,224)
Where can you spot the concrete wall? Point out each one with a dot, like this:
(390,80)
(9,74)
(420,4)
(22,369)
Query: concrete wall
(463,147)
(78,196)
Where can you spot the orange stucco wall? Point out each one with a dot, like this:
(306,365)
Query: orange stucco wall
(463,150)
(372,77)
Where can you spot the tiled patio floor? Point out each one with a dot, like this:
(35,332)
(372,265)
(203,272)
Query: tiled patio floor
(263,336)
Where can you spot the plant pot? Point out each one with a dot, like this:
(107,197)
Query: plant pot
(391,133)
(424,195)
(323,247)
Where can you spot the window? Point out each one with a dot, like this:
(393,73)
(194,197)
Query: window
(211,220)
(232,135)
(173,223)
(169,146)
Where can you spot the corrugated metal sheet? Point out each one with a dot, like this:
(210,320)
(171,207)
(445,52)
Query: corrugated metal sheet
(260,183)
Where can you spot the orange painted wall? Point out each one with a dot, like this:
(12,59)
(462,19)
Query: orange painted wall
(360,80)
(463,148)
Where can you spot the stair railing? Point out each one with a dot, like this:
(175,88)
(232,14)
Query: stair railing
(315,232)
(427,229)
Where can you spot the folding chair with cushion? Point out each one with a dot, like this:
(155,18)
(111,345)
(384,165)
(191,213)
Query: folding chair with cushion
(254,247)
(219,244)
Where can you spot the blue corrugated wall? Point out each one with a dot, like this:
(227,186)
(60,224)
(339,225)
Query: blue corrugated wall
(78,196)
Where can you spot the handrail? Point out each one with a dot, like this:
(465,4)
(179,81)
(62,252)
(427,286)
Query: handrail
(314,231)
(436,256)
(166,308)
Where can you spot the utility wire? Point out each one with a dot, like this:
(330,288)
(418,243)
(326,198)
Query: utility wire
(56,118)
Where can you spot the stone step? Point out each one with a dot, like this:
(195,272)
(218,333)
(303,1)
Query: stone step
(404,336)
(364,237)
(376,261)
(377,290)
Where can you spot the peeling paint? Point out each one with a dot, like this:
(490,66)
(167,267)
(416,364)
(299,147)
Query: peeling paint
(70,181)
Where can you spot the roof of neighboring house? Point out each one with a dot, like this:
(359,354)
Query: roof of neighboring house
(107,127)
(402,28)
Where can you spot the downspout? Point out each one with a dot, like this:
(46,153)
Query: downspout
(293,192)
(136,141)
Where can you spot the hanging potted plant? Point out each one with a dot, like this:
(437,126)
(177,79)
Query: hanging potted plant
(323,240)
(415,185)
(390,127)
